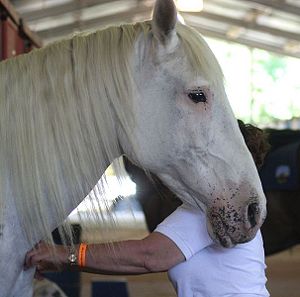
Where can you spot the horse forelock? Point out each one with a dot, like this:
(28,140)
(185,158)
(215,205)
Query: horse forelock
(201,58)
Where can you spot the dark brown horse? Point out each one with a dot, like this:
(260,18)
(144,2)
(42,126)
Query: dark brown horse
(280,177)
(281,229)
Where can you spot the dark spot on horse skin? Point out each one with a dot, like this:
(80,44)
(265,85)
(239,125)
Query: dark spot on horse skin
(236,217)
(232,229)
(223,241)
(1,229)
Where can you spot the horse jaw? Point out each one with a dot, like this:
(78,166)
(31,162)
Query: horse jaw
(235,211)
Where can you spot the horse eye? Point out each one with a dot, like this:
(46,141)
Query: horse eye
(197,96)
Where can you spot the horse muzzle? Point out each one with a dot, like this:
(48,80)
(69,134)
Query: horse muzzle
(229,226)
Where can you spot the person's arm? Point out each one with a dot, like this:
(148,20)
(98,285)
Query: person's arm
(155,253)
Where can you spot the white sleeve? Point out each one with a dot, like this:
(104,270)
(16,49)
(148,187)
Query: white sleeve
(186,227)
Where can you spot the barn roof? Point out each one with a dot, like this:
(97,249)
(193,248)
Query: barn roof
(273,25)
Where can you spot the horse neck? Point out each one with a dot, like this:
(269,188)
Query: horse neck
(71,134)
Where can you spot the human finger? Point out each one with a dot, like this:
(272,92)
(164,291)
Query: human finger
(39,253)
(38,273)
(32,259)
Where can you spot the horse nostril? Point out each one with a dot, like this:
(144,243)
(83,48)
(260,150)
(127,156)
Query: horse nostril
(252,214)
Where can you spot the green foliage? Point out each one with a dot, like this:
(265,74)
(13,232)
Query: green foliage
(273,65)
(262,87)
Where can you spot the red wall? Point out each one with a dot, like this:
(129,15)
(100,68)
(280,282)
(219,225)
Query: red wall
(15,38)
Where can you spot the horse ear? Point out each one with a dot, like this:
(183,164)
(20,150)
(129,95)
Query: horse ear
(164,20)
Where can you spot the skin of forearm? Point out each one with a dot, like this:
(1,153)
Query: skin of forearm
(155,253)
(126,257)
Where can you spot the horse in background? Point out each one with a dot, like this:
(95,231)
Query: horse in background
(280,177)
(152,91)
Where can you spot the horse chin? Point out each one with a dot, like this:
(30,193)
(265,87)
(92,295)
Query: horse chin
(223,240)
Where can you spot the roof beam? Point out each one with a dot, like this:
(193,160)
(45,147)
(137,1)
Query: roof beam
(247,25)
(61,9)
(68,29)
(279,5)
(240,40)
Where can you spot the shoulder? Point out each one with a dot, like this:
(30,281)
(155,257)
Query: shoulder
(187,228)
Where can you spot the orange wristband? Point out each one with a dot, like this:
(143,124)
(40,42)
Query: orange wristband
(82,254)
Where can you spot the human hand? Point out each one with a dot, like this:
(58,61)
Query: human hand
(46,257)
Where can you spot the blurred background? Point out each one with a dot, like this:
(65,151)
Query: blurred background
(257,43)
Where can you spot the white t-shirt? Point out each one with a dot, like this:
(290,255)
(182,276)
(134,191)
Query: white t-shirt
(210,270)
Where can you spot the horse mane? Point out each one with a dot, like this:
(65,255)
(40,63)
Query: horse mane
(59,106)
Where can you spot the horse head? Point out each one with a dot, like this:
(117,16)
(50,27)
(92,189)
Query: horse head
(185,131)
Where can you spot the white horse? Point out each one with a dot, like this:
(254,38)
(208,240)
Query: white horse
(153,91)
